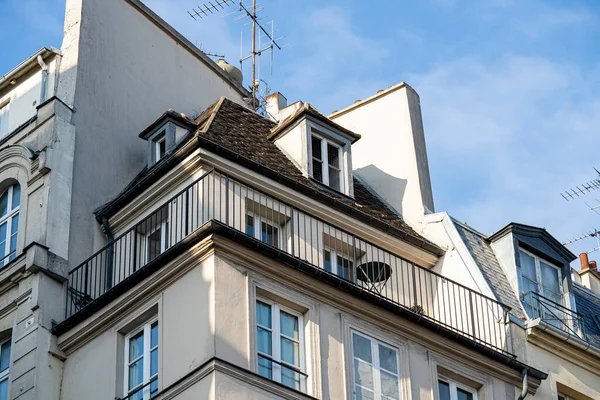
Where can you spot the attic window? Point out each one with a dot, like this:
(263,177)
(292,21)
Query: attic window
(160,146)
(326,163)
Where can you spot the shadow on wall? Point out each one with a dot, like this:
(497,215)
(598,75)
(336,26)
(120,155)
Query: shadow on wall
(388,188)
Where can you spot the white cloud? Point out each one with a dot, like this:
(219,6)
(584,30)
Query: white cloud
(506,137)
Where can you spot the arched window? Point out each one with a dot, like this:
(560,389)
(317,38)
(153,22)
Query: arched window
(9,223)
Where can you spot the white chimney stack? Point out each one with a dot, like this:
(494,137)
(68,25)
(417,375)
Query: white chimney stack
(391,156)
(275,102)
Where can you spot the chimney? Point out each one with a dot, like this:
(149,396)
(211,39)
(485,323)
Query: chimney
(593,266)
(391,156)
(583,259)
(275,102)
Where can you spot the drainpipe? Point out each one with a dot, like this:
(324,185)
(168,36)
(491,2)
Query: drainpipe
(109,258)
(525,385)
(44,67)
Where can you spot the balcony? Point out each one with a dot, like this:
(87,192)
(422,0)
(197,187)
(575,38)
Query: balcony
(325,251)
(554,314)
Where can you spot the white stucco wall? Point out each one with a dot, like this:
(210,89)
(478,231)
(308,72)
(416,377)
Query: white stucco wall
(120,76)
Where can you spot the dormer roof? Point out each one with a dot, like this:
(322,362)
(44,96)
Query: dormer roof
(310,110)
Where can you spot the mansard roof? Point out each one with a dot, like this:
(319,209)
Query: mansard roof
(242,136)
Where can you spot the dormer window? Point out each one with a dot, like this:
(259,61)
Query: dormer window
(323,151)
(164,135)
(160,146)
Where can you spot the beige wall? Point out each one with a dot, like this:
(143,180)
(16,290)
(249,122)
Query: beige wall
(206,308)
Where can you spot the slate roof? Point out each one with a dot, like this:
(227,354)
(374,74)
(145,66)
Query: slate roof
(588,305)
(485,258)
(243,136)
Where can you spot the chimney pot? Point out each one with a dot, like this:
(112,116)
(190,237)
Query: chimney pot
(583,258)
(593,266)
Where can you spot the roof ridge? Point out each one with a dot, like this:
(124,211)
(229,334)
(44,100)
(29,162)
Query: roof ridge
(468,227)
(587,290)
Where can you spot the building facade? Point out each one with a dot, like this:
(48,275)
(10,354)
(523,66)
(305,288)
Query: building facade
(212,253)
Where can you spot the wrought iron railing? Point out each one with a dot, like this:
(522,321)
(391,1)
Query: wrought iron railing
(338,253)
(553,313)
(143,392)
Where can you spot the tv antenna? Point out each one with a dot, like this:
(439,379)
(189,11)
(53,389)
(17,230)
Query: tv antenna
(207,10)
(592,234)
(584,189)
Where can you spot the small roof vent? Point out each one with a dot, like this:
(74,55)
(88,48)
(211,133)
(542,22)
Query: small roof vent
(234,72)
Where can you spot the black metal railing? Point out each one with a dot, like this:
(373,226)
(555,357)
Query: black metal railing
(143,392)
(553,313)
(219,197)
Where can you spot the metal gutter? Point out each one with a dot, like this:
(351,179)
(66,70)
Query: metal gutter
(27,65)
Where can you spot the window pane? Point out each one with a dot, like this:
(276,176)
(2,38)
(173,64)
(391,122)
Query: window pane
(154,335)
(5,356)
(327,260)
(4,204)
(290,352)
(14,224)
(265,367)
(289,325)
(363,374)
(250,225)
(136,346)
(389,385)
(162,148)
(290,378)
(154,249)
(334,178)
(316,148)
(16,197)
(154,362)
(263,339)
(263,314)
(550,277)
(388,359)
(343,266)
(444,390)
(318,170)
(333,156)
(154,388)
(362,348)
(363,394)
(269,234)
(527,266)
(463,395)
(4,390)
(3,232)
(136,373)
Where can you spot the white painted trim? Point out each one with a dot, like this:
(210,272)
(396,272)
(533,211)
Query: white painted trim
(454,386)
(8,219)
(276,336)
(146,328)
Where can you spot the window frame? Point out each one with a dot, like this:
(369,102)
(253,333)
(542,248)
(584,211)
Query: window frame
(163,227)
(454,386)
(11,212)
(276,309)
(538,276)
(146,327)
(325,161)
(257,226)
(376,368)
(333,255)
(5,375)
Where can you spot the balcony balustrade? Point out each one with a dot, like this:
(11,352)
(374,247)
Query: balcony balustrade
(331,251)
(553,313)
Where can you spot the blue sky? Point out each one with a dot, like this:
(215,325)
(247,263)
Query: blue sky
(510,89)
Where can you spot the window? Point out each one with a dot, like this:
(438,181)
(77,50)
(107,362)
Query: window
(541,277)
(280,344)
(450,390)
(263,230)
(338,264)
(10,201)
(4,368)
(564,397)
(4,107)
(141,358)
(156,241)
(375,369)
(159,146)
(331,154)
